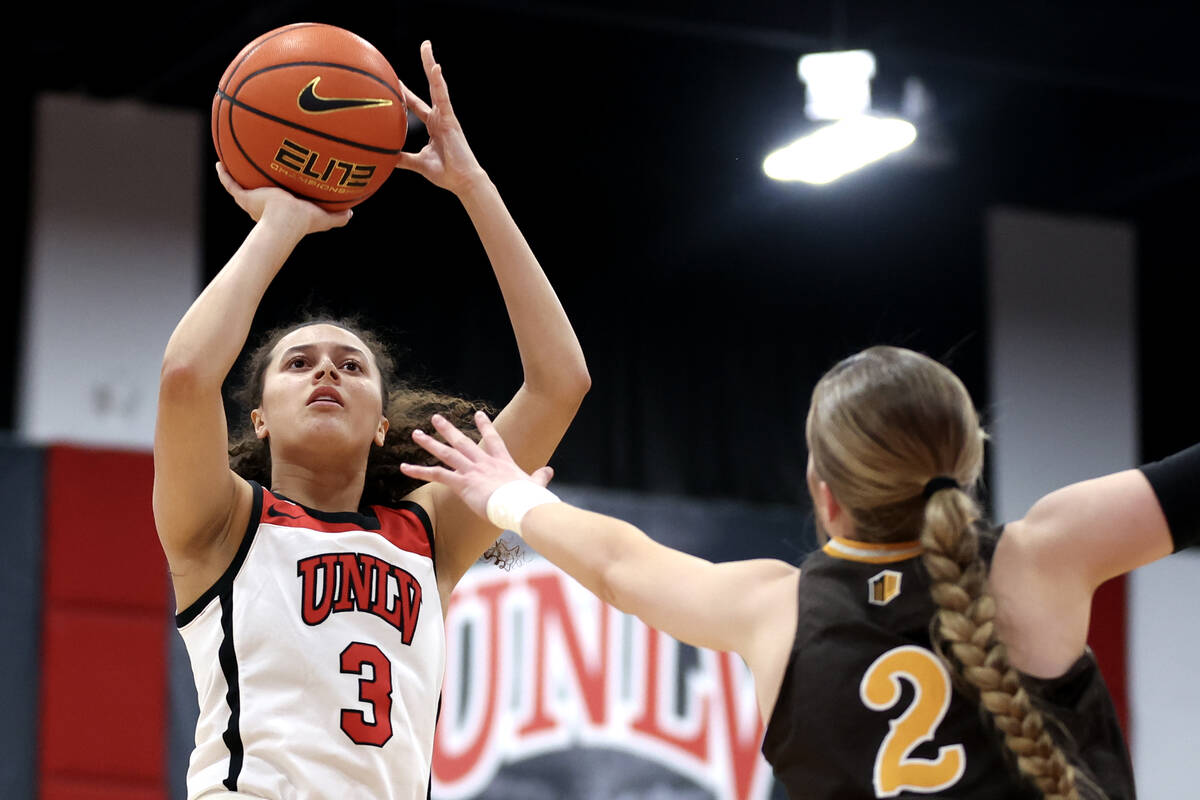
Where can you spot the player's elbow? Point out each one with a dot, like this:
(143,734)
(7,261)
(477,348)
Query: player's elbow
(621,570)
(185,378)
(565,383)
(570,384)
(178,378)
(607,583)
(581,379)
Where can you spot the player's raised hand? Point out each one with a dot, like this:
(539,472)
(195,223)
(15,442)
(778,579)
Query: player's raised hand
(446,160)
(282,207)
(475,470)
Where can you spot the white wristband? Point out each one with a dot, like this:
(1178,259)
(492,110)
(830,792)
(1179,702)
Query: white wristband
(509,503)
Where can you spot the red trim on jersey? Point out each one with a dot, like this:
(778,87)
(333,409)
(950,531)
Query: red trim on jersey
(400,526)
(403,528)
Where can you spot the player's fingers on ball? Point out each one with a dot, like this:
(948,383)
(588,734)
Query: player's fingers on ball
(427,57)
(227,180)
(439,92)
(412,161)
(418,106)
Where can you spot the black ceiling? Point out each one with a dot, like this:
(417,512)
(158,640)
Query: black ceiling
(628,137)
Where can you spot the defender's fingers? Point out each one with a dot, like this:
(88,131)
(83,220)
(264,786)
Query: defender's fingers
(434,474)
(457,439)
(444,453)
(543,476)
(489,437)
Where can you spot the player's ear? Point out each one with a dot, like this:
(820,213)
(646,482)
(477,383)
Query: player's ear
(820,493)
(829,501)
(259,421)
(381,431)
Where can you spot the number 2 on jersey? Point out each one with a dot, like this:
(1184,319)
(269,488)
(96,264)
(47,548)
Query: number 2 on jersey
(895,770)
(376,690)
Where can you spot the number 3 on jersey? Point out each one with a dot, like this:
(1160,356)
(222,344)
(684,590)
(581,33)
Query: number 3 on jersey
(375,690)
(895,770)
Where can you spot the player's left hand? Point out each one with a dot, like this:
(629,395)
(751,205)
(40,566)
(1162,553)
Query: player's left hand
(446,160)
(476,470)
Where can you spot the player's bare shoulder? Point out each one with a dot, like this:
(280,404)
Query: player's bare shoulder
(197,558)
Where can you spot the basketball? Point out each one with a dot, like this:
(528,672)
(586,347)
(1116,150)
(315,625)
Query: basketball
(313,109)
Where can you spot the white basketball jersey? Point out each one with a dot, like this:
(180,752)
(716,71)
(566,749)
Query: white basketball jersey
(318,657)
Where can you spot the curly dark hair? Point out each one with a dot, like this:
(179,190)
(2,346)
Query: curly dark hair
(406,407)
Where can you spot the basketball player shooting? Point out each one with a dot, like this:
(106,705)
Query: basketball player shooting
(311,582)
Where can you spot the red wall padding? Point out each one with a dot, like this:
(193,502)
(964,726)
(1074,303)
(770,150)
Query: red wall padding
(1107,638)
(104,627)
(89,789)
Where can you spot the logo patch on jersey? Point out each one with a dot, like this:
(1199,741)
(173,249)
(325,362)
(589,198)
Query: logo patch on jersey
(334,582)
(275,510)
(883,588)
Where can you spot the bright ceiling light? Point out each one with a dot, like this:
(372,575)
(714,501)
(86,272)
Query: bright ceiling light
(837,149)
(838,85)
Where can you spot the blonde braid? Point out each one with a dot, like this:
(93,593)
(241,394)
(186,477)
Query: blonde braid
(964,625)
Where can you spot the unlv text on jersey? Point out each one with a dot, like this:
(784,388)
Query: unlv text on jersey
(336,582)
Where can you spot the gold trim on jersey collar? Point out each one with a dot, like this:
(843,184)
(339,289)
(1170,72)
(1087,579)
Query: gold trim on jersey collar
(872,552)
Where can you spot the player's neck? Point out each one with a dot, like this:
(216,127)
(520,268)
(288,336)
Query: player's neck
(324,490)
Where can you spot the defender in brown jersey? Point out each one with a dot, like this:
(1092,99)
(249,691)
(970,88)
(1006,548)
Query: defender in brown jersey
(917,654)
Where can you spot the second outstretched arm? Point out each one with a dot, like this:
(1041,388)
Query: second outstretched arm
(555,376)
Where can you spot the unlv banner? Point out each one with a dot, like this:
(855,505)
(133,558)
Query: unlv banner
(549,693)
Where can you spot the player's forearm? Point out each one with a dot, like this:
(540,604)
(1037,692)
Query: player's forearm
(629,571)
(206,342)
(551,357)
(592,548)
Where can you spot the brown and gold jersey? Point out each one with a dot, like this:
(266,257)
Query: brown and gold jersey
(867,710)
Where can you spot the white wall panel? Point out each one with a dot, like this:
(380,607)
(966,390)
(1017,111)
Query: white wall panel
(114,262)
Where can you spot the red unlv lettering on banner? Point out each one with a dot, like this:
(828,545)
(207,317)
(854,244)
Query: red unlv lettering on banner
(550,667)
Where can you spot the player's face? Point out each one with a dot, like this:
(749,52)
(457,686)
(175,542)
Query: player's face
(321,394)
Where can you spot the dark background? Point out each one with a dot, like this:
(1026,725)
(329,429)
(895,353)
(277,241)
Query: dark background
(627,139)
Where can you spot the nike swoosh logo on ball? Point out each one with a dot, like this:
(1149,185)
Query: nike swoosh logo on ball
(312,103)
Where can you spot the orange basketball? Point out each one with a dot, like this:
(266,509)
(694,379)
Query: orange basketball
(313,109)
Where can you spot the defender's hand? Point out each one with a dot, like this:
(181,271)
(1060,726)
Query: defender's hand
(476,470)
